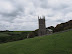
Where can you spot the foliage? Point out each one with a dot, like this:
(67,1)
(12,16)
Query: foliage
(63,26)
(9,36)
(33,33)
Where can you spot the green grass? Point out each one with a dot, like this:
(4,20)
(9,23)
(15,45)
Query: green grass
(60,43)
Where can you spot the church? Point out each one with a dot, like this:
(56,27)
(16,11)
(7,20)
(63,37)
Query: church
(42,27)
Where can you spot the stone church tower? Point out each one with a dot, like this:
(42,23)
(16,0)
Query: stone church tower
(42,26)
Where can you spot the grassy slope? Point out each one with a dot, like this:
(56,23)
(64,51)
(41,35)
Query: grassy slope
(52,44)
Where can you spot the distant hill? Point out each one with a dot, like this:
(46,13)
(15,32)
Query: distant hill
(60,43)
(63,26)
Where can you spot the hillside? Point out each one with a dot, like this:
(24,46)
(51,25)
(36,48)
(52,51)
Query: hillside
(9,36)
(60,43)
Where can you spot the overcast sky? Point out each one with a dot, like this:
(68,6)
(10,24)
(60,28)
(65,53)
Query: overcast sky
(23,14)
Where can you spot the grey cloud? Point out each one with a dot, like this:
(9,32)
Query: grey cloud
(17,10)
(51,15)
(60,7)
(60,20)
(28,19)
(44,3)
(13,14)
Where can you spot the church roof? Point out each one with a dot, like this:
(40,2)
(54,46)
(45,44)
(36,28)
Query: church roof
(49,29)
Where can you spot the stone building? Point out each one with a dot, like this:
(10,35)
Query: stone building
(42,27)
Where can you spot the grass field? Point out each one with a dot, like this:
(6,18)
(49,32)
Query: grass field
(60,43)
